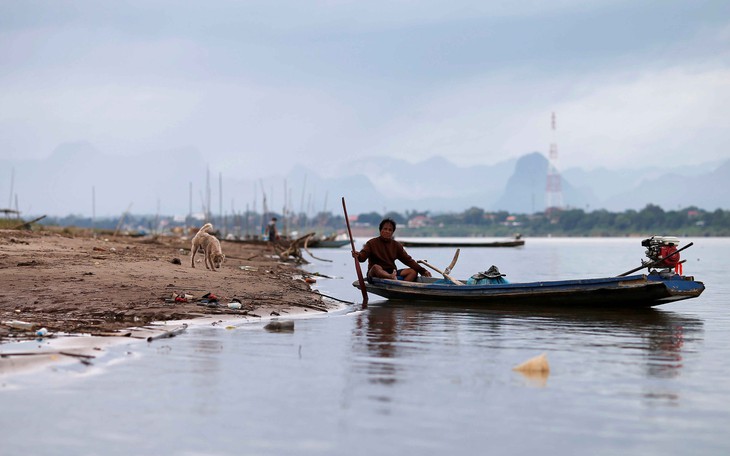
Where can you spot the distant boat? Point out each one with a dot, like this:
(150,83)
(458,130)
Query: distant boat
(332,241)
(439,242)
(324,243)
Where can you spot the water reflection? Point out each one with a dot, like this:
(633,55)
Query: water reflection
(660,336)
(204,364)
(656,340)
(381,327)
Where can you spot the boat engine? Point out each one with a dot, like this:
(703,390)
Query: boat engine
(658,248)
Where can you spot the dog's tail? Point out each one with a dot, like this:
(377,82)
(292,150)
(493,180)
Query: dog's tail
(206,228)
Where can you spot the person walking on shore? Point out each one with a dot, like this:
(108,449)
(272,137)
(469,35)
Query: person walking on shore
(272,232)
(381,253)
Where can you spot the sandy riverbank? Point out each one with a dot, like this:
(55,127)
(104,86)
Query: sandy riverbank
(75,283)
(114,289)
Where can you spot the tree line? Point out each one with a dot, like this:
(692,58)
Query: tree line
(474,221)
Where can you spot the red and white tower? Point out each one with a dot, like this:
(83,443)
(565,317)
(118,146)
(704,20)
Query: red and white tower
(553,191)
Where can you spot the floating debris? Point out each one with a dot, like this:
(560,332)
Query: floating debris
(538,364)
(280,326)
(171,333)
(17,324)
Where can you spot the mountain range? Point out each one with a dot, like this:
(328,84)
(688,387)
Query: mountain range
(78,179)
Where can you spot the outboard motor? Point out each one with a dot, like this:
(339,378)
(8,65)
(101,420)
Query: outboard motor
(659,249)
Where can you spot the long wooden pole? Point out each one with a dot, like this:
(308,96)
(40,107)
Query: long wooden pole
(446,275)
(360,280)
(453,262)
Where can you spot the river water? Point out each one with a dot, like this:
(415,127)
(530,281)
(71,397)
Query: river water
(396,379)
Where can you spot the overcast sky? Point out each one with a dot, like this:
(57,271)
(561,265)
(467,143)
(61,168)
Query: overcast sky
(255,85)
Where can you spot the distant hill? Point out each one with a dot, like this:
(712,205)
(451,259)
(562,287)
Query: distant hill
(705,186)
(525,189)
(606,184)
(176,182)
(434,184)
(708,191)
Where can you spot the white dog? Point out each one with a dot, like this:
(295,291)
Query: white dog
(211,248)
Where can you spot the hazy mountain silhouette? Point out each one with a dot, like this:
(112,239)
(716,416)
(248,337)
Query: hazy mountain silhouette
(525,190)
(434,184)
(179,181)
(673,191)
(606,184)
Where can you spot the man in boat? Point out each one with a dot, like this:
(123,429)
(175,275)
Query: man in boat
(381,253)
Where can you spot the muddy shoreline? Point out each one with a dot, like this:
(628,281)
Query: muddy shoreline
(74,282)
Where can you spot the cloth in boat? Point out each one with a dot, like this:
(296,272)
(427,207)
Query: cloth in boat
(490,276)
(384,252)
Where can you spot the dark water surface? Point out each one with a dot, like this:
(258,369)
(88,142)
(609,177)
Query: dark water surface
(416,380)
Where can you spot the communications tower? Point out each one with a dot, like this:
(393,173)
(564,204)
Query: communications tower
(553,190)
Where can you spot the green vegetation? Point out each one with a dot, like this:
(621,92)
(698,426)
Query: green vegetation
(9,223)
(576,222)
(474,221)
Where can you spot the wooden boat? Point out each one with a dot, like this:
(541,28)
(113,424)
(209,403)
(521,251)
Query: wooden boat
(327,243)
(435,242)
(640,290)
(333,241)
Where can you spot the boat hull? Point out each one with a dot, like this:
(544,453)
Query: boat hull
(644,290)
(434,243)
(327,244)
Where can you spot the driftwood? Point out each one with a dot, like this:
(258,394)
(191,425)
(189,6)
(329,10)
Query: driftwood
(111,333)
(75,355)
(306,249)
(293,250)
(27,224)
(333,298)
(319,274)
(166,334)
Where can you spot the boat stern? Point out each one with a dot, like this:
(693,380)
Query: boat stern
(678,287)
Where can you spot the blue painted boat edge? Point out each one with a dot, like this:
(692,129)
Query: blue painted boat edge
(513,285)
(638,290)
